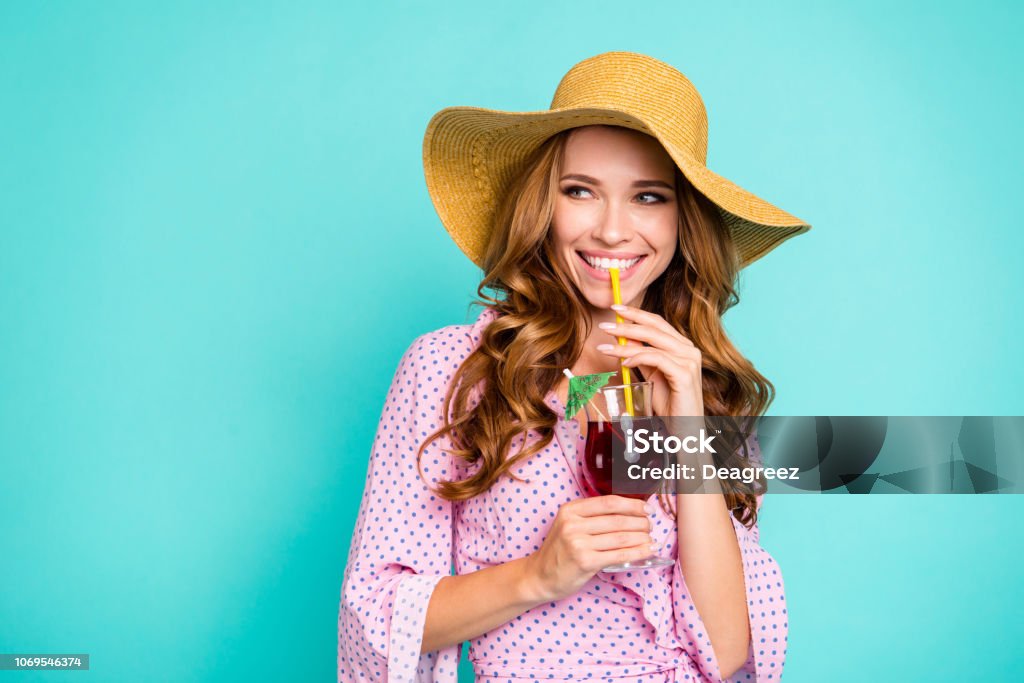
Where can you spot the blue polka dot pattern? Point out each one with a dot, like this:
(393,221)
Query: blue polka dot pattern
(642,625)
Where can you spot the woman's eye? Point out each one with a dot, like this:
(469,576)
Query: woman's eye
(650,198)
(576,192)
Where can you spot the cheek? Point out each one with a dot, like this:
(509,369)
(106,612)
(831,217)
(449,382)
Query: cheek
(664,235)
(558,225)
(565,223)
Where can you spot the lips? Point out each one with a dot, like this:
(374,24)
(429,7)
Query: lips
(604,263)
(596,264)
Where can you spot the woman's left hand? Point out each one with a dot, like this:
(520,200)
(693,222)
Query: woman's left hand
(670,361)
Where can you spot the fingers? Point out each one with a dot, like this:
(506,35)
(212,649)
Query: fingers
(638,315)
(647,356)
(620,539)
(597,532)
(654,336)
(651,329)
(658,359)
(605,524)
(623,555)
(676,344)
(633,356)
(608,505)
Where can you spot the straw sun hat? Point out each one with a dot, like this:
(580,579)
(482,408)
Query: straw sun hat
(470,155)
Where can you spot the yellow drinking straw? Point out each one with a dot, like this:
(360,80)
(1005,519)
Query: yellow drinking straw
(617,298)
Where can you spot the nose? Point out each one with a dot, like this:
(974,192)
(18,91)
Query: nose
(614,226)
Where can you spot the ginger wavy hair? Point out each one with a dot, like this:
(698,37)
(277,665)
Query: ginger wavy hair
(497,395)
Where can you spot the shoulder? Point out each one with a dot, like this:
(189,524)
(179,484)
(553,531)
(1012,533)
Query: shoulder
(447,347)
(431,361)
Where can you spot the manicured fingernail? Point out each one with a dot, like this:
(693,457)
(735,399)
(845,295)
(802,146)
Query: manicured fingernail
(606,326)
(618,307)
(649,507)
(605,347)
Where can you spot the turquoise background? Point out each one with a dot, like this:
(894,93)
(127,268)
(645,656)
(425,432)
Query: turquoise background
(216,243)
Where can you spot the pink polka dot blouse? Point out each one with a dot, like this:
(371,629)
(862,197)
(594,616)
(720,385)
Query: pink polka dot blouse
(641,626)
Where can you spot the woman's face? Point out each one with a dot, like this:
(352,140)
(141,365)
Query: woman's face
(616,206)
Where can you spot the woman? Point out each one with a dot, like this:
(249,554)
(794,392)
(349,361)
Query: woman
(475,464)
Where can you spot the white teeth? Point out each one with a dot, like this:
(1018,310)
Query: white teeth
(606,263)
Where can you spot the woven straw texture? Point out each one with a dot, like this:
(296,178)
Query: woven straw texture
(470,155)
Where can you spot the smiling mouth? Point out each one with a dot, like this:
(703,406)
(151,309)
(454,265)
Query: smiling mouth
(602,264)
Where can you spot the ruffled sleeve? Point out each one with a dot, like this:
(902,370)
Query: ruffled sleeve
(766,609)
(402,543)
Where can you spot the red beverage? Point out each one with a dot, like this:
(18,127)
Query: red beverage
(605,443)
(608,463)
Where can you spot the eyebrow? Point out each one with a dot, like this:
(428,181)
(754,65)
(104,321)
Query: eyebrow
(639,183)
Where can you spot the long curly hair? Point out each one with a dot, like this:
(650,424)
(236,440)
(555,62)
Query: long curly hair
(497,396)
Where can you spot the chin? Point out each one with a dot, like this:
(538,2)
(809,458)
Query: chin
(599,302)
(603,300)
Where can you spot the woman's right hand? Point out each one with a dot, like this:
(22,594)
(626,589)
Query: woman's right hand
(587,535)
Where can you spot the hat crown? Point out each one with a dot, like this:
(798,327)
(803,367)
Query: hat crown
(642,87)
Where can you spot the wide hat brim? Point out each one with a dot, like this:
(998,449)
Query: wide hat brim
(471,155)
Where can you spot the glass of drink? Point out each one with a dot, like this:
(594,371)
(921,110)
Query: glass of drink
(607,456)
